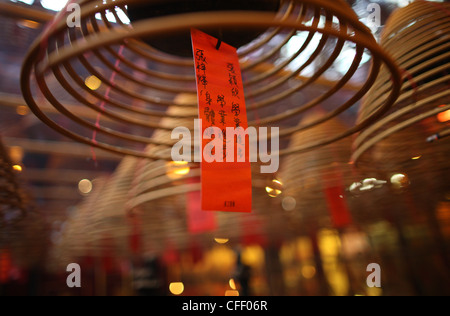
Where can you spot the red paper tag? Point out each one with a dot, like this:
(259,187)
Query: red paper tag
(5,265)
(198,221)
(335,197)
(227,184)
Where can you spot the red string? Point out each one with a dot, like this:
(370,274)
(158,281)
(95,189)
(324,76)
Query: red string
(103,104)
(414,84)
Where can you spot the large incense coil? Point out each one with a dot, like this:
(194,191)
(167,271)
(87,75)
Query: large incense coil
(142,82)
(417,36)
(306,176)
(107,215)
(146,190)
(22,229)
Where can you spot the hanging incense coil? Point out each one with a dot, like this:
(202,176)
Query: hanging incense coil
(155,194)
(417,37)
(22,229)
(106,67)
(396,149)
(308,177)
(13,206)
(146,190)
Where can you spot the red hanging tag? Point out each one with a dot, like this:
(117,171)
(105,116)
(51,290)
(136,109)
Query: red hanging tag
(335,196)
(226,176)
(136,234)
(198,221)
(5,265)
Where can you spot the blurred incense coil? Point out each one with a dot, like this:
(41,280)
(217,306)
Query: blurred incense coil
(417,36)
(396,148)
(308,177)
(148,200)
(13,206)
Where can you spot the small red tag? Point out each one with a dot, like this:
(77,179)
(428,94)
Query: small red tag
(226,184)
(335,198)
(198,221)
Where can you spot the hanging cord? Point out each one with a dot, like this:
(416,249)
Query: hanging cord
(103,104)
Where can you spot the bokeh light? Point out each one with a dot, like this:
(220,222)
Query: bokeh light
(85,186)
(176,288)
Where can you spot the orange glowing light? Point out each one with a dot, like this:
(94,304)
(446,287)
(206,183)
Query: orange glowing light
(22,110)
(17,168)
(444,116)
(176,288)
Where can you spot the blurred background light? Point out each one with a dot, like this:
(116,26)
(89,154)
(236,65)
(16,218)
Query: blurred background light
(275,188)
(16,153)
(93,83)
(22,110)
(85,186)
(54,5)
(308,271)
(17,168)
(176,288)
(177,169)
(29,24)
(221,241)
(29,2)
(289,203)
(444,116)
(232,284)
(400,181)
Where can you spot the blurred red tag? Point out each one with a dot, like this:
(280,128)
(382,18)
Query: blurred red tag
(198,221)
(5,265)
(335,196)
(226,183)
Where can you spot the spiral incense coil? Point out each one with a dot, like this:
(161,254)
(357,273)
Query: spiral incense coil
(109,68)
(307,176)
(147,190)
(156,192)
(417,36)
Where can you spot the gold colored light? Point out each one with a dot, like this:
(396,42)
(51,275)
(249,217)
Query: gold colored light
(253,256)
(444,116)
(17,168)
(29,24)
(374,291)
(232,284)
(16,154)
(308,272)
(177,169)
(85,186)
(221,241)
(176,288)
(232,293)
(93,83)
(274,190)
(22,110)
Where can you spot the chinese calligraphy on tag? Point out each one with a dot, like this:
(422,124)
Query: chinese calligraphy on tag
(226,181)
